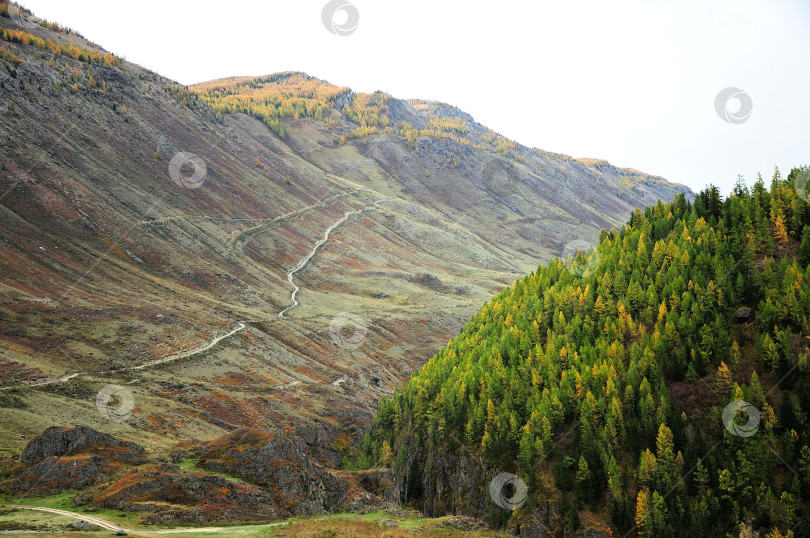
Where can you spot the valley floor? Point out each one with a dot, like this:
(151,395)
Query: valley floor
(28,519)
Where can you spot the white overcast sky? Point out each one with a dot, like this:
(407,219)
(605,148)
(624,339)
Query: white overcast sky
(630,81)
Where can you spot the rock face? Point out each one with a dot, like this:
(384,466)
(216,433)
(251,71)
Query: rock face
(193,498)
(320,442)
(277,462)
(272,479)
(447,483)
(72,458)
(370,489)
(543,521)
(54,475)
(459,484)
(59,441)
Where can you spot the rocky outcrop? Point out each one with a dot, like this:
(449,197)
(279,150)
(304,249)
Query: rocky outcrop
(320,444)
(54,475)
(59,441)
(541,522)
(197,498)
(744,315)
(463,523)
(370,489)
(64,459)
(458,483)
(82,525)
(447,483)
(277,462)
(193,497)
(271,477)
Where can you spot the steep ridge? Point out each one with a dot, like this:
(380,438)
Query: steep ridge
(139,222)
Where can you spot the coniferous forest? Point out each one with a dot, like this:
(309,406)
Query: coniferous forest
(601,381)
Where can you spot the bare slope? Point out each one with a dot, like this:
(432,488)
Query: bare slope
(108,264)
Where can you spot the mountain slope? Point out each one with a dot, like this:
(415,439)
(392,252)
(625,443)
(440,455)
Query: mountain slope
(617,386)
(119,252)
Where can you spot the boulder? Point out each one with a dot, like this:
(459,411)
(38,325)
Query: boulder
(463,523)
(83,526)
(744,315)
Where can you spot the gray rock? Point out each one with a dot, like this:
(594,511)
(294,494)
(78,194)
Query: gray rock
(744,315)
(54,475)
(82,499)
(462,523)
(276,461)
(58,441)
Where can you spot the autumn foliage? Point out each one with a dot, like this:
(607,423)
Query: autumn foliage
(567,377)
(70,51)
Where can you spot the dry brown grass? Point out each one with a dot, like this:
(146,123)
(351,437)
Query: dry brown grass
(339,527)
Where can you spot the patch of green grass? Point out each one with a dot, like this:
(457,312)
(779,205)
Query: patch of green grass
(40,522)
(416,522)
(16,526)
(365,525)
(11,400)
(64,501)
(190,465)
(373,516)
(342,524)
(248,530)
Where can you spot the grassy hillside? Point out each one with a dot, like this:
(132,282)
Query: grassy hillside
(608,382)
(113,256)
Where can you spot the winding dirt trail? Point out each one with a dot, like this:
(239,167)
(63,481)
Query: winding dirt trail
(267,220)
(168,358)
(75,515)
(244,234)
(61,379)
(305,260)
(189,353)
(116,528)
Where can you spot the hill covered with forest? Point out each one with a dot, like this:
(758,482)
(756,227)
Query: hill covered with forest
(656,386)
